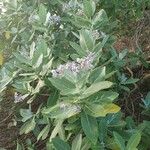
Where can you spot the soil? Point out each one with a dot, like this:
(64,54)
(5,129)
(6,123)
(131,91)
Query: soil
(132,102)
(8,132)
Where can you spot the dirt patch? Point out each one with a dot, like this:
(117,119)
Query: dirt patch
(138,38)
(131,103)
(8,130)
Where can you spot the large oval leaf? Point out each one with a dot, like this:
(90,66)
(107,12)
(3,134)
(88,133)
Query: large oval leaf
(76,144)
(101,110)
(86,40)
(90,127)
(62,110)
(134,141)
(119,141)
(95,87)
(60,144)
(89,7)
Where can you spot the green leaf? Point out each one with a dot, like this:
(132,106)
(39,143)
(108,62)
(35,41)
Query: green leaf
(39,85)
(76,144)
(97,74)
(100,45)
(5,82)
(89,7)
(13,3)
(65,86)
(19,147)
(60,144)
(134,141)
(95,87)
(42,47)
(39,61)
(78,49)
(86,40)
(90,127)
(46,68)
(44,133)
(52,100)
(130,81)
(56,129)
(122,54)
(62,110)
(32,50)
(42,13)
(26,114)
(39,53)
(6,77)
(86,145)
(1,58)
(103,97)
(22,59)
(70,76)
(101,110)
(100,18)
(146,101)
(62,83)
(39,28)
(119,141)
(81,22)
(28,126)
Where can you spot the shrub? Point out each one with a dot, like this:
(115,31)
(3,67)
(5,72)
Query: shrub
(65,50)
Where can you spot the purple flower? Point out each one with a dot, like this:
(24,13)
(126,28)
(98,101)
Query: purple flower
(68,6)
(74,66)
(96,34)
(19,97)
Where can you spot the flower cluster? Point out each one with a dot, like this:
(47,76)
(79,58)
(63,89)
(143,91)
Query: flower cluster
(2,8)
(18,98)
(96,34)
(74,66)
(80,12)
(52,19)
(68,6)
(72,107)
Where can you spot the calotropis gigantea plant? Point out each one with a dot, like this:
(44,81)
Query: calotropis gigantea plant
(63,55)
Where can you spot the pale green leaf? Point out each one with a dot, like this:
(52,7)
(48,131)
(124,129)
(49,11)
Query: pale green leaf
(97,74)
(22,59)
(42,13)
(95,87)
(86,40)
(28,126)
(76,144)
(119,141)
(90,127)
(32,50)
(134,141)
(62,110)
(101,110)
(44,133)
(60,144)
(100,18)
(1,58)
(78,49)
(89,7)
(100,45)
(39,61)
(62,83)
(26,114)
